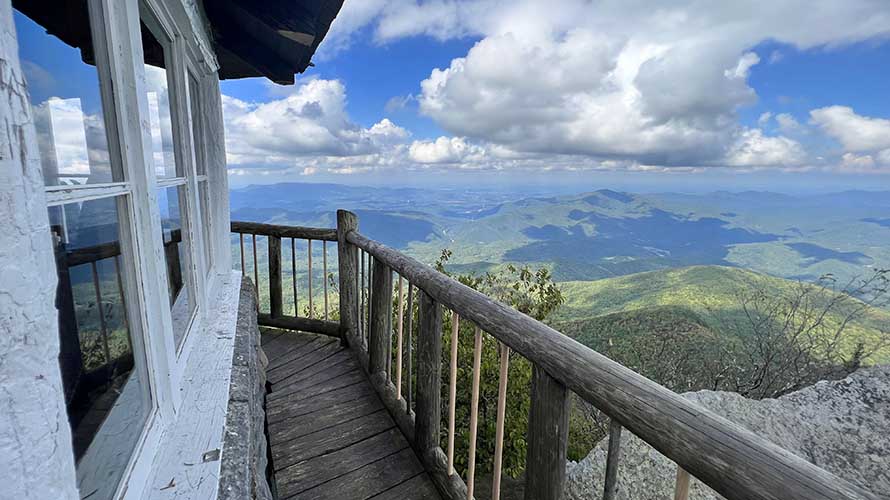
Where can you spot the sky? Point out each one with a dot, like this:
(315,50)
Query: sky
(689,95)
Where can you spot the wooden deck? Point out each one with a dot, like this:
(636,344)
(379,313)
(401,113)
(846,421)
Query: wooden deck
(331,437)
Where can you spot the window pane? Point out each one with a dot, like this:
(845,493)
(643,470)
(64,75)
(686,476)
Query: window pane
(204,193)
(67,105)
(196,103)
(176,253)
(158,95)
(106,393)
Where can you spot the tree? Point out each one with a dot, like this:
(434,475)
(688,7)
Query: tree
(780,341)
(785,340)
(530,292)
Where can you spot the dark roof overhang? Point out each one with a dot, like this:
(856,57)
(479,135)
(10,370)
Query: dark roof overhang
(271,38)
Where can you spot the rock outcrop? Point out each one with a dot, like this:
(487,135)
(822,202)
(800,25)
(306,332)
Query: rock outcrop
(841,426)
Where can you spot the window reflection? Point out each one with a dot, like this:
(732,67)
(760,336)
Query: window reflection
(171,201)
(204,196)
(105,392)
(158,95)
(195,102)
(68,117)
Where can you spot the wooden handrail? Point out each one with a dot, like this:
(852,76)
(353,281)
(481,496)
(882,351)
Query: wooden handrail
(735,462)
(302,233)
(274,233)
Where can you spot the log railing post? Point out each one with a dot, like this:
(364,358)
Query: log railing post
(548,432)
(681,489)
(380,342)
(348,271)
(610,485)
(275,308)
(429,375)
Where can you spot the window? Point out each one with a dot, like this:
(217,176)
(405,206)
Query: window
(173,192)
(102,354)
(199,142)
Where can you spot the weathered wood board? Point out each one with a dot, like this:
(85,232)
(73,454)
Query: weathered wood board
(330,435)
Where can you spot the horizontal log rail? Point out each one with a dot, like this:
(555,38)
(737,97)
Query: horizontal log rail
(298,232)
(733,461)
(282,240)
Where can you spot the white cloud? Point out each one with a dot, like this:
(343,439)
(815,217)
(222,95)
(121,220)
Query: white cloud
(310,121)
(854,161)
(855,132)
(614,79)
(764,119)
(788,124)
(72,143)
(753,149)
(607,85)
(443,150)
(398,102)
(386,131)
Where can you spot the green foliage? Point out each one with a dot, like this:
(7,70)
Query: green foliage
(711,294)
(532,292)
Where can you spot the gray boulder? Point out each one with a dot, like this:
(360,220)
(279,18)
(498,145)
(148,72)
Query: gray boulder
(841,426)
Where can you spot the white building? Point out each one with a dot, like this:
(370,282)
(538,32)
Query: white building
(118,307)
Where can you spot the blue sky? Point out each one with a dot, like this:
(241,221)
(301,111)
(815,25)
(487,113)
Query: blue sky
(683,95)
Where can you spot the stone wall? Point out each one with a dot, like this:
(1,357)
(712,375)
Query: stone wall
(244,451)
(35,441)
(842,426)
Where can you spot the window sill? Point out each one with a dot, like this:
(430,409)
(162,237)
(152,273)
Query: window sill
(192,452)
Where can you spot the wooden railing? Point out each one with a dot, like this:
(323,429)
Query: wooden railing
(729,459)
(274,235)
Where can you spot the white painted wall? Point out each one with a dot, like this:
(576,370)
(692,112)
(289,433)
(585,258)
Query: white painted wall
(36,461)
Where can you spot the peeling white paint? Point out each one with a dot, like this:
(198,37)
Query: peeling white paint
(36,459)
(182,468)
(35,441)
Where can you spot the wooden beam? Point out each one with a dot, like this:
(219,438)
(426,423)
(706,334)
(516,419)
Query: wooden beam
(348,275)
(330,328)
(275,277)
(610,484)
(429,374)
(301,233)
(380,341)
(548,434)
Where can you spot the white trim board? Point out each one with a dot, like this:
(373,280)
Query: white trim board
(180,469)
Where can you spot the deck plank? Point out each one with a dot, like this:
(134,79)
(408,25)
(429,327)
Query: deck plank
(268,335)
(287,429)
(318,443)
(292,356)
(281,411)
(419,486)
(331,384)
(311,473)
(284,345)
(330,435)
(372,479)
(336,365)
(302,362)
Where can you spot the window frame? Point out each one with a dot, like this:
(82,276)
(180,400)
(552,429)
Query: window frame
(159,20)
(197,123)
(123,193)
(115,26)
